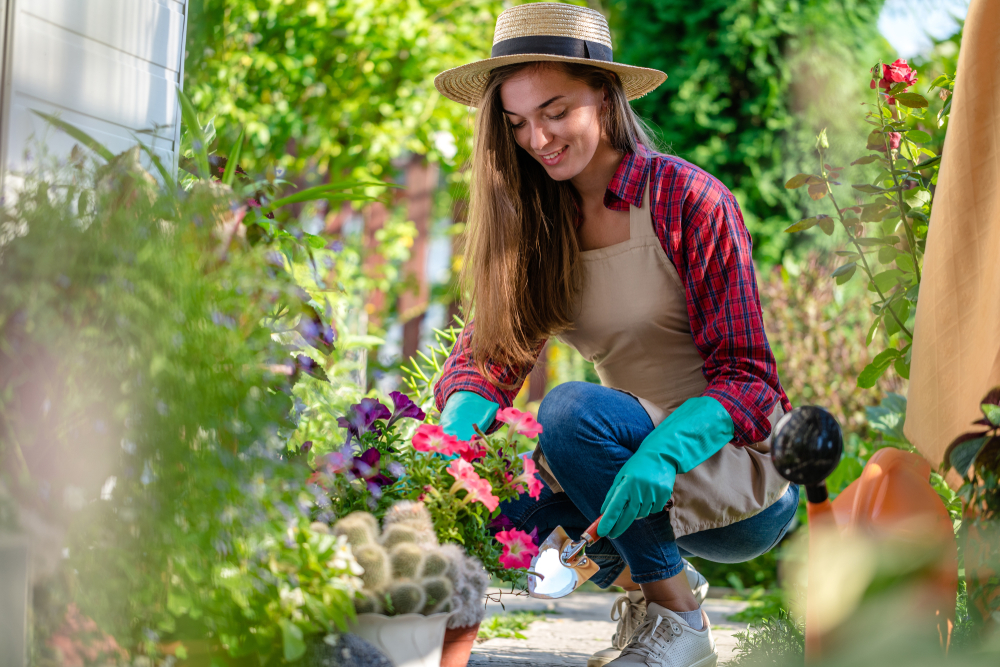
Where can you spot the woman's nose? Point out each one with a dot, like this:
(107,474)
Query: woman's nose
(539,138)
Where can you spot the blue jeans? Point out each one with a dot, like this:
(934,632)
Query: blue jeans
(589,433)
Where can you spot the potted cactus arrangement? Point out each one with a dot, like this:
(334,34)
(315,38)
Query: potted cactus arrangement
(413,586)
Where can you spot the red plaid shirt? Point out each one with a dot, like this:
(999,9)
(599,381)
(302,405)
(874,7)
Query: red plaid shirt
(701,229)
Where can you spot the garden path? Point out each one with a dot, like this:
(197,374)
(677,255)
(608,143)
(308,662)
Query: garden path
(579,627)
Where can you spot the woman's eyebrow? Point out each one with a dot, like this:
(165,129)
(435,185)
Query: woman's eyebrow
(540,106)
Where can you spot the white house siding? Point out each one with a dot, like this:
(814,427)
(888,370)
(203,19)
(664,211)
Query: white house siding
(109,67)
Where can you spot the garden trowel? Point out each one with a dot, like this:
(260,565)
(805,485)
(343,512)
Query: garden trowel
(561,565)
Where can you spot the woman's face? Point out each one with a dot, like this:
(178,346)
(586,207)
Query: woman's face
(555,118)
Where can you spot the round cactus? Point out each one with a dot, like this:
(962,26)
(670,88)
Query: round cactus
(367,603)
(435,564)
(406,597)
(413,515)
(438,592)
(375,562)
(357,530)
(398,533)
(407,560)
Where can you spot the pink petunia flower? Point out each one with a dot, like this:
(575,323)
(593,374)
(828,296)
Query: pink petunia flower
(529,478)
(478,489)
(518,548)
(522,422)
(432,438)
(472,450)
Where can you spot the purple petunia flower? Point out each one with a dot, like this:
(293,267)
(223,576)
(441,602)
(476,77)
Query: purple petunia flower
(366,467)
(500,523)
(361,417)
(402,407)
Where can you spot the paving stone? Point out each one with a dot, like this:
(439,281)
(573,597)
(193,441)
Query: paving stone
(580,626)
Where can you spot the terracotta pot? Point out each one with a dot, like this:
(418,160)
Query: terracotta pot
(408,640)
(458,645)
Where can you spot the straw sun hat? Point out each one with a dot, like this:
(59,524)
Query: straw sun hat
(546,31)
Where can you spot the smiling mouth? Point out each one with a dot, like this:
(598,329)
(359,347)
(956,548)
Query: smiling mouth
(552,156)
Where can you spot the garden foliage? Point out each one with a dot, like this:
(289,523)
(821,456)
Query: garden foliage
(749,84)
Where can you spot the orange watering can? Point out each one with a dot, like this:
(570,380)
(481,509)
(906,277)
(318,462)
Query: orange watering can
(892,501)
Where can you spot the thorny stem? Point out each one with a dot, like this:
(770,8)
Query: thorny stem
(910,238)
(857,246)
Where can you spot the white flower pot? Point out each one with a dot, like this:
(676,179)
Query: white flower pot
(408,640)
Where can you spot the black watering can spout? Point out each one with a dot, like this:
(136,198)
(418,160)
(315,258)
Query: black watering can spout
(806,449)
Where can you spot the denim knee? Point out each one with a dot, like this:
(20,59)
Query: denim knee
(565,409)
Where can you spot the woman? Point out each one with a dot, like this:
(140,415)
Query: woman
(642,263)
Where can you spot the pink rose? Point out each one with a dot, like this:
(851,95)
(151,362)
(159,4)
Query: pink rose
(897,72)
(518,548)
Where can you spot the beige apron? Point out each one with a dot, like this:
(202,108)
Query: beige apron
(633,324)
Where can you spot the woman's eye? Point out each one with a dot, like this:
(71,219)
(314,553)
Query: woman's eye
(558,116)
(517,126)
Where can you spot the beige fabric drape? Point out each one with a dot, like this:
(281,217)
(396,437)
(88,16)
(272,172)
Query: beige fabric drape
(956,345)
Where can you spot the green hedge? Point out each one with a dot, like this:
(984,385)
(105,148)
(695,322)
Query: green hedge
(751,82)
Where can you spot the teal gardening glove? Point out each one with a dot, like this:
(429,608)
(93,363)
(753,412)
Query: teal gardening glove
(462,410)
(689,436)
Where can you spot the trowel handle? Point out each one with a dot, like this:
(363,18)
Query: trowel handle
(590,535)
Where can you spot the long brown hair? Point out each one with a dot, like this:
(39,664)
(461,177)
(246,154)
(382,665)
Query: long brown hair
(521,275)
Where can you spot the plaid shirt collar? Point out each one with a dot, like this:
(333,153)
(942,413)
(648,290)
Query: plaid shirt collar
(629,181)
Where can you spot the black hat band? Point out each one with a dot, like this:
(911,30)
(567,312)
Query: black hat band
(552,45)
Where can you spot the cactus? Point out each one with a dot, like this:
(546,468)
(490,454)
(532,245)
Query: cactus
(469,581)
(414,516)
(398,534)
(438,591)
(406,597)
(407,560)
(357,530)
(406,571)
(435,564)
(367,603)
(377,568)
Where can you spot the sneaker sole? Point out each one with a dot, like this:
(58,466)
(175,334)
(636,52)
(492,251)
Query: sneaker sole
(707,661)
(600,662)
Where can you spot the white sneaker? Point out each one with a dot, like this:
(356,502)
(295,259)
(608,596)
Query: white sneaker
(665,640)
(631,610)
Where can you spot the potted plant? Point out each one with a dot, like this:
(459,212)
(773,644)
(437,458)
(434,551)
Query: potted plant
(412,585)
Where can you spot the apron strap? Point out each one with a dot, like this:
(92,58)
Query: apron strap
(641,219)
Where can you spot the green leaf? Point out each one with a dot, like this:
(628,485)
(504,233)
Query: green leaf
(918,136)
(78,134)
(886,280)
(291,639)
(233,160)
(902,368)
(940,81)
(190,117)
(917,197)
(870,189)
(797,181)
(845,272)
(871,331)
(911,100)
(868,159)
(804,224)
(992,412)
(826,224)
(873,371)
(964,455)
(905,263)
(874,212)
(887,254)
(870,242)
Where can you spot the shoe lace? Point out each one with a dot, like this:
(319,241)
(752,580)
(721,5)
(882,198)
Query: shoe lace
(629,614)
(652,638)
